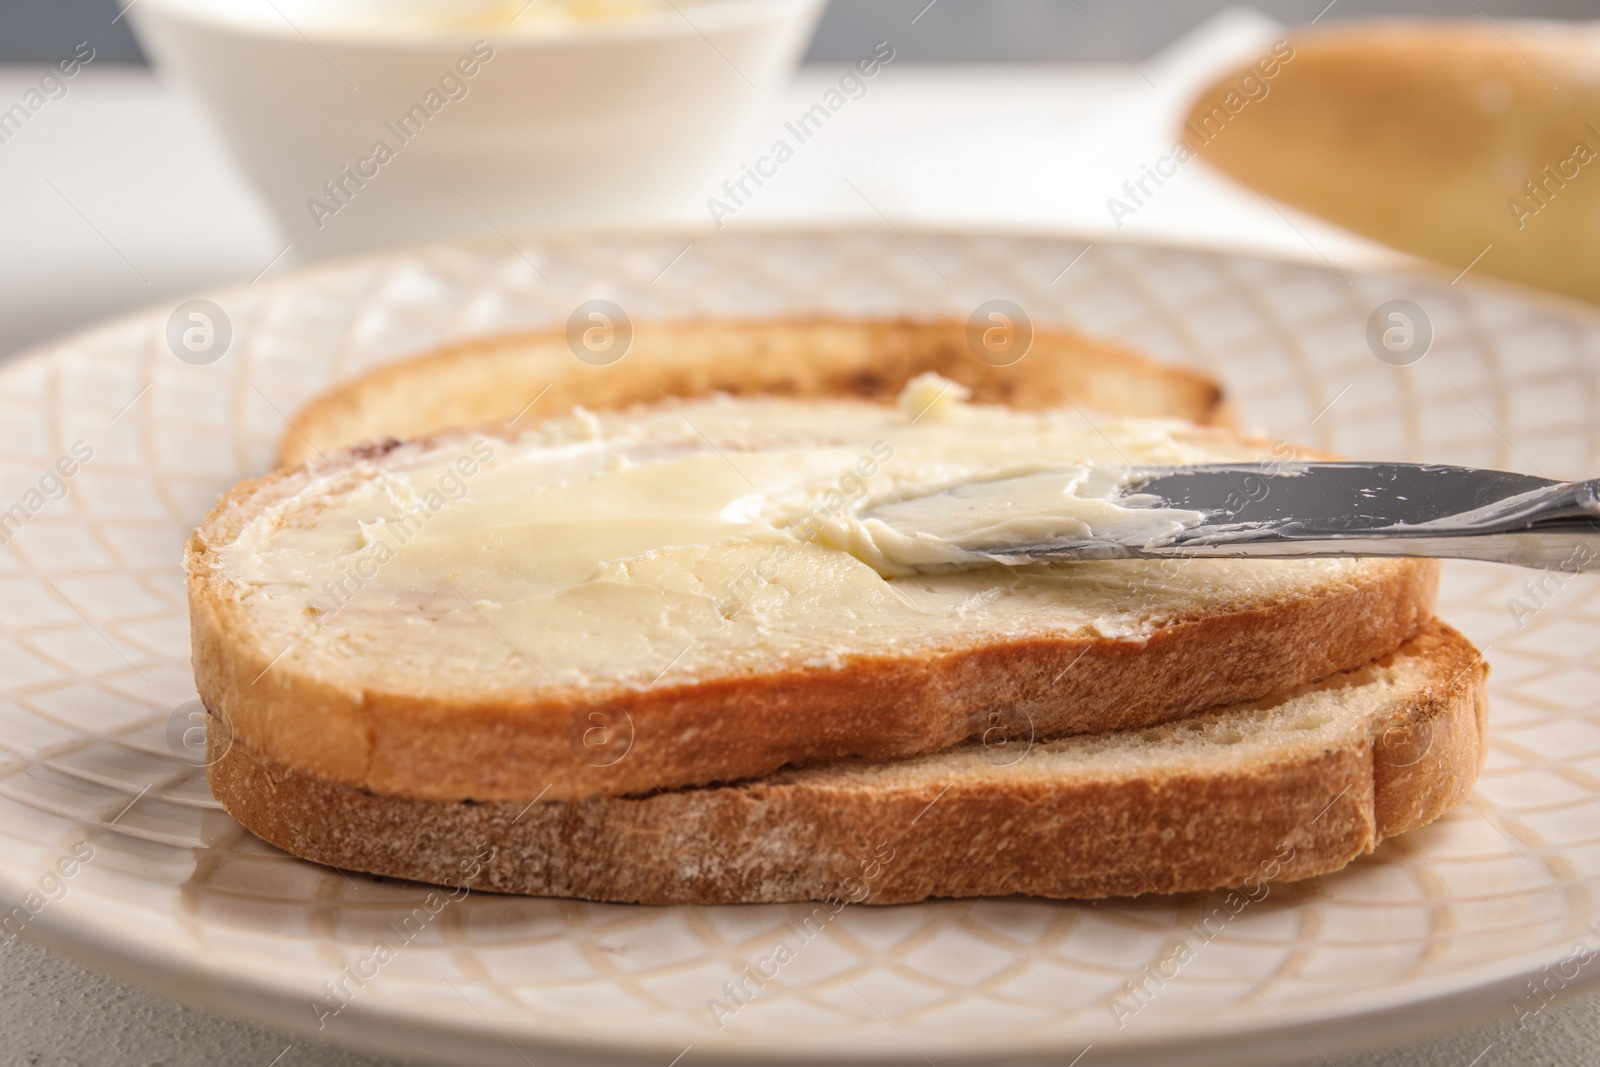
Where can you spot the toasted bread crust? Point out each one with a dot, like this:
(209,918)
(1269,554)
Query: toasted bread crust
(883,838)
(484,382)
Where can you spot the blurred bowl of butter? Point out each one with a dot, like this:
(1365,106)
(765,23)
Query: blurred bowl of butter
(373,123)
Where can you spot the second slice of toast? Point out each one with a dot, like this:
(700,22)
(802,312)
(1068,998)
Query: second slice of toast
(491,380)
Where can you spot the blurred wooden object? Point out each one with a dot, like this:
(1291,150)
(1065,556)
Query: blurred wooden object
(1467,143)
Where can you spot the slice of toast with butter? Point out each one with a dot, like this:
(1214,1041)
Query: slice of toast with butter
(615,602)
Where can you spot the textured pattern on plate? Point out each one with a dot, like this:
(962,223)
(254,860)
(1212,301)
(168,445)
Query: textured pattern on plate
(94,657)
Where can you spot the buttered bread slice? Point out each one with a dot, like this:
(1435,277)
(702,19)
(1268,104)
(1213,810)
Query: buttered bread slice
(617,602)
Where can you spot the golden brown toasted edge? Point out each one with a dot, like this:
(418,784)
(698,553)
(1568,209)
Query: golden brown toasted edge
(490,381)
(796,837)
(876,706)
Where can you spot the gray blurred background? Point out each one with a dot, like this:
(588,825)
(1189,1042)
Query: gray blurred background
(946,31)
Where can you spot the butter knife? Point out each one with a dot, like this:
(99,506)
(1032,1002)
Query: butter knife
(1256,509)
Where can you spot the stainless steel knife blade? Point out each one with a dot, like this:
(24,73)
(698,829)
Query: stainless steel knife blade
(1296,509)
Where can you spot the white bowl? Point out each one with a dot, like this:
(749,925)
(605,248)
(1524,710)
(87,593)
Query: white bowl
(486,128)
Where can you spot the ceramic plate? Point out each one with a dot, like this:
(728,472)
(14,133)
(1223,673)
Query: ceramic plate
(112,448)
